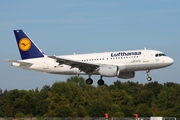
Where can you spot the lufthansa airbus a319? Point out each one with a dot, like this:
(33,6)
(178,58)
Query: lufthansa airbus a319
(121,64)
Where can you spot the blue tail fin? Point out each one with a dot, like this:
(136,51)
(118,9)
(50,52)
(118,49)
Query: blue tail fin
(27,47)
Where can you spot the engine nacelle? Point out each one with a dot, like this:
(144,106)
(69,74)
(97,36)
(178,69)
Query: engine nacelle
(109,70)
(126,75)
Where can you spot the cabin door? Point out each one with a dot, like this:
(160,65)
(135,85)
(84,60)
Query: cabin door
(146,56)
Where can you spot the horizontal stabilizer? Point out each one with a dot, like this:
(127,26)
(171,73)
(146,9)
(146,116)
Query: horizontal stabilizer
(18,61)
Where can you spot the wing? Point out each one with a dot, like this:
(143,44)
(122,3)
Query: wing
(86,67)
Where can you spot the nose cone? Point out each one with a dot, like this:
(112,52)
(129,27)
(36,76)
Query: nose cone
(169,61)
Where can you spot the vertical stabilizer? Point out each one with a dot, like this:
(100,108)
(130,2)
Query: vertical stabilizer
(27,48)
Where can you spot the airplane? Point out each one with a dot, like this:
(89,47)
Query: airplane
(121,64)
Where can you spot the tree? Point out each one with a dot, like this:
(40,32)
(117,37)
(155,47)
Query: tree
(79,80)
(68,94)
(125,101)
(89,96)
(73,99)
(103,94)
(176,111)
(42,102)
(98,109)
(6,108)
(62,111)
(154,108)
(155,87)
(145,96)
(116,111)
(143,110)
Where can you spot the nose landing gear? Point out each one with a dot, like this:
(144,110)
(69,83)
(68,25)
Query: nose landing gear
(148,74)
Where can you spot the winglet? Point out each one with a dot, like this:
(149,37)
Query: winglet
(27,48)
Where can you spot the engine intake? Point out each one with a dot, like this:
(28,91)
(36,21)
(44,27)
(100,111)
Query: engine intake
(109,71)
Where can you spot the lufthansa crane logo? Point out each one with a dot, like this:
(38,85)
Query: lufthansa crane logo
(24,44)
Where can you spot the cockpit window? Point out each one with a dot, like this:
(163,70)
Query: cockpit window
(159,55)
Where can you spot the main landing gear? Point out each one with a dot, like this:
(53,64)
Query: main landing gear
(90,81)
(100,81)
(148,73)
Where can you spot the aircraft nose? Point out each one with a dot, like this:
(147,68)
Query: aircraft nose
(170,61)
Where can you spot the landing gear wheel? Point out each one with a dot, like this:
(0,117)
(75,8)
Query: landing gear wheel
(149,78)
(89,81)
(100,82)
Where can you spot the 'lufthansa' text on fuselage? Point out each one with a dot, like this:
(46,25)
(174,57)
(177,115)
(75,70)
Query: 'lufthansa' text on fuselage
(125,54)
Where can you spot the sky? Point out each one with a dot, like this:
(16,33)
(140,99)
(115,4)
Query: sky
(61,27)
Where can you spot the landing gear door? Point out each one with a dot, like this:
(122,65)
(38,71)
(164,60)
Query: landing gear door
(146,56)
(45,64)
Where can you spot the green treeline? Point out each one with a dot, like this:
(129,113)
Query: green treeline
(74,98)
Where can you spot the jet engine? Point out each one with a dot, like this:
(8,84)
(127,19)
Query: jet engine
(126,75)
(109,70)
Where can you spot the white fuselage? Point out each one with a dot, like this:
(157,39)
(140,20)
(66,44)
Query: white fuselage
(135,60)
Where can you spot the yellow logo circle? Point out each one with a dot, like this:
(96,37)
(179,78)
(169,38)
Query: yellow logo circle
(24,44)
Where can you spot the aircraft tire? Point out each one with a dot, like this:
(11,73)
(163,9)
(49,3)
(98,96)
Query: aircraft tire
(89,81)
(149,78)
(100,82)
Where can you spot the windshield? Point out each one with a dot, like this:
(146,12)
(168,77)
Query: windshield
(160,54)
